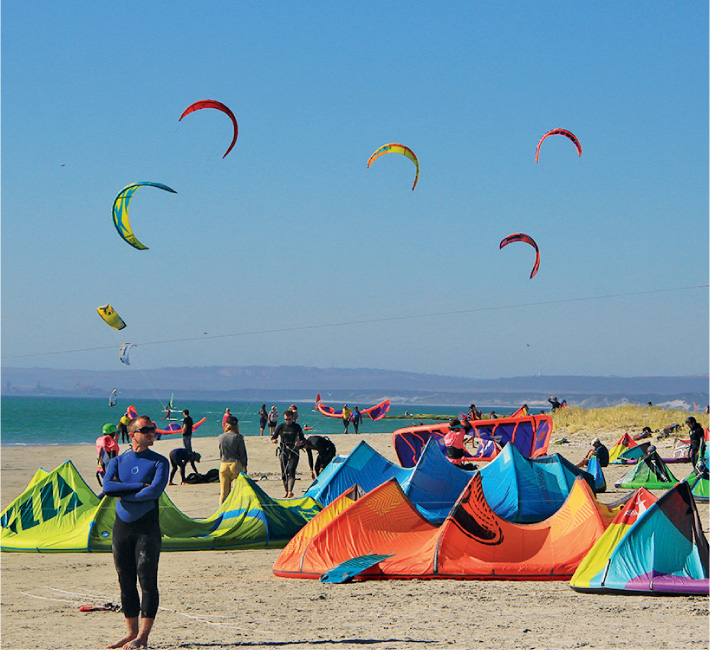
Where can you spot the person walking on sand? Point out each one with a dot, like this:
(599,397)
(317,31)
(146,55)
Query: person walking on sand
(356,419)
(263,419)
(290,433)
(346,417)
(232,455)
(137,478)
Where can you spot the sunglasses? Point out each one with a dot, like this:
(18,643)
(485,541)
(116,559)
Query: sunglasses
(145,430)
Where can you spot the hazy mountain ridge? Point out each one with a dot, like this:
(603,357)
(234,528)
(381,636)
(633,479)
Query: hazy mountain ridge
(352,384)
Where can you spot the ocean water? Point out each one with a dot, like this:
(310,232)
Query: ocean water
(72,421)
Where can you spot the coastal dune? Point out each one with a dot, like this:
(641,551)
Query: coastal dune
(228,599)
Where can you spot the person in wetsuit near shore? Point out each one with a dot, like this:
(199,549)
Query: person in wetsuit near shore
(137,478)
(325,449)
(290,433)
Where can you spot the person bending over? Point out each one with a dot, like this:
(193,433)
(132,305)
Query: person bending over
(179,458)
(137,478)
(290,433)
(323,446)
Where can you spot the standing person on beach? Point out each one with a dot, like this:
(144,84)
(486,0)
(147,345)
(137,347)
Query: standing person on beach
(346,417)
(227,413)
(474,413)
(187,430)
(356,418)
(325,449)
(697,437)
(123,428)
(294,410)
(137,478)
(290,433)
(232,455)
(273,420)
(263,419)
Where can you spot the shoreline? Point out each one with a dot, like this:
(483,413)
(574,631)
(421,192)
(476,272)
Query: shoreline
(223,599)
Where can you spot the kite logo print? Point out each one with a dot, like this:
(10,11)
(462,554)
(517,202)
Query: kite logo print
(477,522)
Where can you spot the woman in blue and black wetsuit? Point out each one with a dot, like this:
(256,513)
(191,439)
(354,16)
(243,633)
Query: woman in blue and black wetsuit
(137,478)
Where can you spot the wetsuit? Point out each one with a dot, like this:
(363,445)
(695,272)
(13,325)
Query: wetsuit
(602,454)
(697,436)
(180,457)
(289,432)
(325,449)
(138,479)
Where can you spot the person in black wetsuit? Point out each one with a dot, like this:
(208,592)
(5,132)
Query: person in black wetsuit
(697,438)
(137,478)
(290,433)
(599,450)
(323,446)
(179,458)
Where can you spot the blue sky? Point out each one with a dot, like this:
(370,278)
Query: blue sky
(291,251)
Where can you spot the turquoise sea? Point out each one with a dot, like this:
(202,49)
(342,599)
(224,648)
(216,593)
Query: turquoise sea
(72,421)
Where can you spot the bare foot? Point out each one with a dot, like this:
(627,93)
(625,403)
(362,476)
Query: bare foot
(122,642)
(135,643)
(171,483)
(289,495)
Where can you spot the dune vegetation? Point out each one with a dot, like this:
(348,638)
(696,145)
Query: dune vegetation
(623,419)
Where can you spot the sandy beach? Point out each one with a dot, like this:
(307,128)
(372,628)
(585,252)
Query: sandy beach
(228,599)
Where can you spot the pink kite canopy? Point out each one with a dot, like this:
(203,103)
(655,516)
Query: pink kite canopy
(564,132)
(519,236)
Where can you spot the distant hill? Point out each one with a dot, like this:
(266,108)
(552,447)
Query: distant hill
(263,383)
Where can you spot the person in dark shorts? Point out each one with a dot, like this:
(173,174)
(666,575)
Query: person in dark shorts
(454,440)
(356,418)
(187,430)
(179,458)
(290,433)
(324,448)
(263,419)
(138,478)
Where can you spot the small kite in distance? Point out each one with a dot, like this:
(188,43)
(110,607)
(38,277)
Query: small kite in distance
(120,211)
(519,236)
(110,317)
(123,353)
(564,132)
(211,103)
(393,147)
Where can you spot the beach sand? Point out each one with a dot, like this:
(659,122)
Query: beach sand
(227,599)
